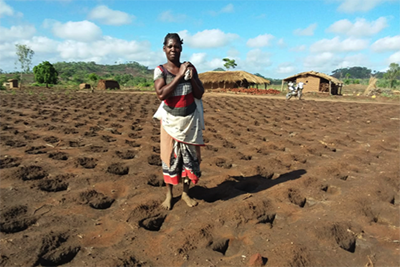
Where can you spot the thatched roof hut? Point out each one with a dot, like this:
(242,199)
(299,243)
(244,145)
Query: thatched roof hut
(230,79)
(316,82)
(107,84)
(84,86)
(11,83)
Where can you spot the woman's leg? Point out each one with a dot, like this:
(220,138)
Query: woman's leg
(167,204)
(185,194)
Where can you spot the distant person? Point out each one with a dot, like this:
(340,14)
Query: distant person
(300,86)
(291,87)
(181,116)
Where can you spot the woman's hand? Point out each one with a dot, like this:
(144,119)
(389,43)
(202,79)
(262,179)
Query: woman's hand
(184,67)
(197,85)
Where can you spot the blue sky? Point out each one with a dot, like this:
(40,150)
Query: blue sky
(276,38)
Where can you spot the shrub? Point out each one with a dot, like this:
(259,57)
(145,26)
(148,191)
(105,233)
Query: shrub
(3,79)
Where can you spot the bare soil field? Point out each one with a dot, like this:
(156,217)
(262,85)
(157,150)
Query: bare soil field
(284,183)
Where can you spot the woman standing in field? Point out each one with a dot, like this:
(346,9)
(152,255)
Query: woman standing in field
(181,115)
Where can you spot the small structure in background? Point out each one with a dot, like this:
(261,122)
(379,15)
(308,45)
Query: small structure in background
(371,89)
(230,79)
(316,82)
(84,86)
(107,84)
(11,84)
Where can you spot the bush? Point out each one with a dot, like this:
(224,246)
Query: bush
(41,85)
(3,79)
(382,83)
(385,83)
(145,84)
(45,73)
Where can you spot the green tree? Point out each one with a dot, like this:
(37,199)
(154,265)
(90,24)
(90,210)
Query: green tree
(355,72)
(393,74)
(24,57)
(45,73)
(219,69)
(3,79)
(78,78)
(93,77)
(229,63)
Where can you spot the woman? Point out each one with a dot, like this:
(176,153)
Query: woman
(181,115)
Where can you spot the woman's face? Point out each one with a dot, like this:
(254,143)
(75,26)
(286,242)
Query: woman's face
(173,50)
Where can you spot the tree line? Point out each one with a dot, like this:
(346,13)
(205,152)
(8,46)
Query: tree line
(354,75)
(134,74)
(128,74)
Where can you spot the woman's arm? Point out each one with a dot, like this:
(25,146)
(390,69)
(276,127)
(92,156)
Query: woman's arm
(164,90)
(197,85)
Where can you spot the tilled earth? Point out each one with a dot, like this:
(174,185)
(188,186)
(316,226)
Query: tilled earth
(296,183)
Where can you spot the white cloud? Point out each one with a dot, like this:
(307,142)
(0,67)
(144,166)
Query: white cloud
(168,16)
(257,60)
(299,48)
(207,38)
(202,63)
(5,10)
(360,28)
(387,44)
(84,31)
(309,31)
(105,15)
(281,43)
(45,50)
(353,60)
(336,45)
(319,61)
(228,9)
(7,56)
(260,41)
(198,58)
(326,62)
(43,45)
(395,58)
(107,50)
(16,33)
(351,6)
(214,64)
(285,68)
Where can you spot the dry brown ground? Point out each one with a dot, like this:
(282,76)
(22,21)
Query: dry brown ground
(303,183)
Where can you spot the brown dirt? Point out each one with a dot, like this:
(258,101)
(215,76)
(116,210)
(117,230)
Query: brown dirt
(286,183)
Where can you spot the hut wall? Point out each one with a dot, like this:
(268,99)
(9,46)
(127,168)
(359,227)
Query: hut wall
(14,83)
(107,84)
(311,83)
(335,89)
(11,83)
(220,85)
(229,85)
(84,86)
(208,86)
